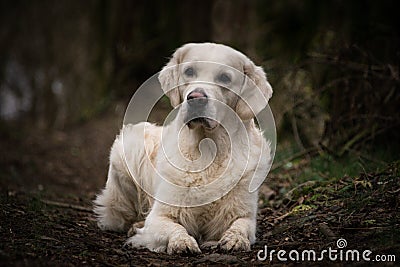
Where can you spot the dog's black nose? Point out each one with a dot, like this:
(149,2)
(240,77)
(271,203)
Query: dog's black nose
(197,96)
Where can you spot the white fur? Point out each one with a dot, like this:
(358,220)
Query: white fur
(229,221)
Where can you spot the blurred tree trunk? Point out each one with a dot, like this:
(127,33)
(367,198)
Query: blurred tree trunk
(235,23)
(63,50)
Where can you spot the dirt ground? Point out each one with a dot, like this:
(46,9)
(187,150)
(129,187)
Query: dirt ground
(49,179)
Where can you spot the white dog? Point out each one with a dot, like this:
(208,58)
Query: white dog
(190,180)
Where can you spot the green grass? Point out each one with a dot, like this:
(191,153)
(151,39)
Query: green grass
(321,166)
(324,167)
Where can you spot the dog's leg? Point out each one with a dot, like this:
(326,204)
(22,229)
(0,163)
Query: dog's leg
(180,241)
(239,236)
(161,234)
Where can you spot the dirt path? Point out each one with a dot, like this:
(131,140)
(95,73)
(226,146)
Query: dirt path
(48,182)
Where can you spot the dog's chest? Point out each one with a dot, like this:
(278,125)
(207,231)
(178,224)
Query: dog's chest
(201,221)
(184,176)
(210,174)
(209,222)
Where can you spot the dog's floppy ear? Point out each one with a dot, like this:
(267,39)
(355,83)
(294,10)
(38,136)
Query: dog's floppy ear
(255,93)
(169,77)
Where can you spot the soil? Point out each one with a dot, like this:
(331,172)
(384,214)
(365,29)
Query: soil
(49,179)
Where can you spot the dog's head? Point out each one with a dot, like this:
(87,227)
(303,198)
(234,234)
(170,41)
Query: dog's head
(199,76)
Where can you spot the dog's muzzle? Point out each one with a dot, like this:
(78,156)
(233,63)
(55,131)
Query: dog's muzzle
(197,111)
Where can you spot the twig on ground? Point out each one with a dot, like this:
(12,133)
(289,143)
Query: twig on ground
(367,228)
(394,192)
(280,218)
(66,205)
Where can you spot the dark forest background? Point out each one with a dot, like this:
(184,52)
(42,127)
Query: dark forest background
(68,69)
(334,65)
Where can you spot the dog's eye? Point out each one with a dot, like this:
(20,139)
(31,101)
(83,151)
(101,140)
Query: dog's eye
(189,72)
(224,78)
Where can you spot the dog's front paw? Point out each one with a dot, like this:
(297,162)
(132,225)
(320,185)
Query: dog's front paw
(233,241)
(133,230)
(182,243)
